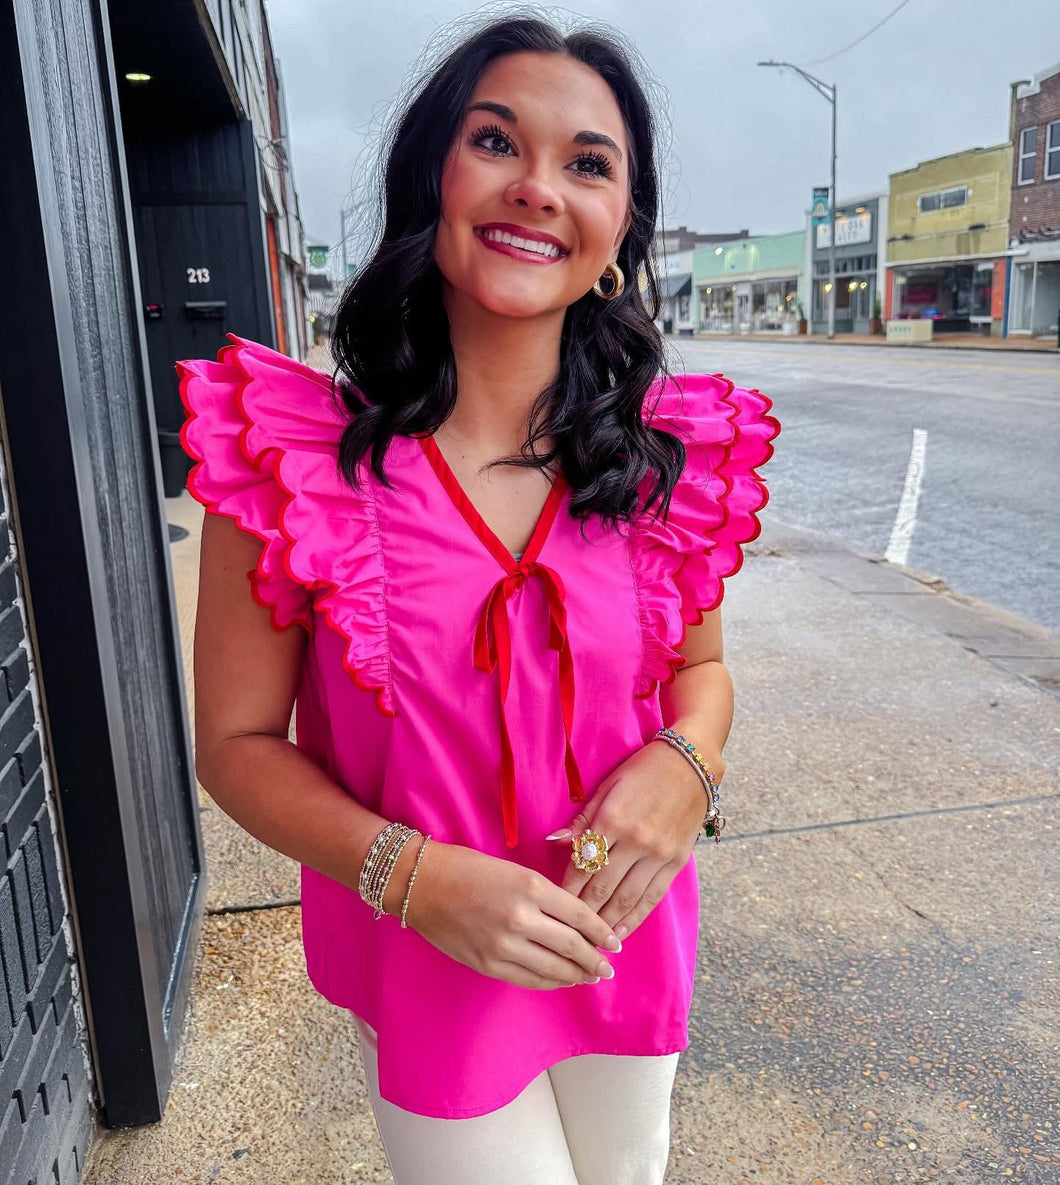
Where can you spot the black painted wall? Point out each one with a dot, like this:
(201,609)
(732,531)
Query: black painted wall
(104,672)
(44,1076)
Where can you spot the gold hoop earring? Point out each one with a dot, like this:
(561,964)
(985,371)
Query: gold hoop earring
(618,282)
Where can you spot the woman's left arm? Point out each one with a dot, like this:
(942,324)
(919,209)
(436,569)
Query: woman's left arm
(653,806)
(699,703)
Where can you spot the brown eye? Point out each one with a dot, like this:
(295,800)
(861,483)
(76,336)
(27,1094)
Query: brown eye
(478,139)
(599,162)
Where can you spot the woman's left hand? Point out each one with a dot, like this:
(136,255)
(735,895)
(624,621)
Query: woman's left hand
(650,810)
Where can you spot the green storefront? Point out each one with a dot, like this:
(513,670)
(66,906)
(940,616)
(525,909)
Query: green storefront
(751,285)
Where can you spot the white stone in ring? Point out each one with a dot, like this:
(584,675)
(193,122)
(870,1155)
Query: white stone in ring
(589,851)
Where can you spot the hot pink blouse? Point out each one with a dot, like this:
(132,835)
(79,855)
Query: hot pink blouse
(472,695)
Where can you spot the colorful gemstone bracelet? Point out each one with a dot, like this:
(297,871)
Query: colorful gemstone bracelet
(714,822)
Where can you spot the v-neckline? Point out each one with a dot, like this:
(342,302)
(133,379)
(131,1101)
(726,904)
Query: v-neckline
(478,524)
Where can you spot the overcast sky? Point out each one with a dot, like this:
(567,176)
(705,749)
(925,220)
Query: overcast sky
(748,144)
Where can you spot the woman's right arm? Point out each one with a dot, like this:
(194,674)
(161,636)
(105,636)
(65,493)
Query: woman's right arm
(493,915)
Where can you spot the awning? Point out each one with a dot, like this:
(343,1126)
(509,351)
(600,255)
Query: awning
(679,285)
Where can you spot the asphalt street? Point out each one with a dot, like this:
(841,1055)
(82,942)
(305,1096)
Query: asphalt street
(980,505)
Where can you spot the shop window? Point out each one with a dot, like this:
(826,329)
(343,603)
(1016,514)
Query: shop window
(822,298)
(1028,151)
(982,287)
(942,199)
(943,293)
(857,295)
(717,311)
(1052,150)
(1020,305)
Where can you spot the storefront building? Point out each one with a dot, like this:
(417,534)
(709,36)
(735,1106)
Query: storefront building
(753,285)
(1034,224)
(947,242)
(674,250)
(861,242)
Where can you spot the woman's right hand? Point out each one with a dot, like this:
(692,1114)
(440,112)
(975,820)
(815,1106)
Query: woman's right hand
(500,918)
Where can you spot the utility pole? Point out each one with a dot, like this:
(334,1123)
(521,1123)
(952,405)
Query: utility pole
(828,92)
(831,235)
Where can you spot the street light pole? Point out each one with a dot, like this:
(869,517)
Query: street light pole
(831,234)
(829,93)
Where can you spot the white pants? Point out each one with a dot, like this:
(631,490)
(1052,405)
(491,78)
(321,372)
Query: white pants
(595,1119)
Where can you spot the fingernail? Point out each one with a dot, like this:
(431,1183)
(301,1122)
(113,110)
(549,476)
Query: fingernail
(621,930)
(612,943)
(605,969)
(564,834)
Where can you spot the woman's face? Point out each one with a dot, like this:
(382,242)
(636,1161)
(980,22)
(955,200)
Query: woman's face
(547,157)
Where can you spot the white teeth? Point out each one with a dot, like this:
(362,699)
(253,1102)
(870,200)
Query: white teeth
(549,250)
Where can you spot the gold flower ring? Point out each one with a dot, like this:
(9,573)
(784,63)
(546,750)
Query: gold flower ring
(590,851)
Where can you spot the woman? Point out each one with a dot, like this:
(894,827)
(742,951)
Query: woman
(495,625)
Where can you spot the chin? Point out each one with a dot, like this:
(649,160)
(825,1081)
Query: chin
(518,303)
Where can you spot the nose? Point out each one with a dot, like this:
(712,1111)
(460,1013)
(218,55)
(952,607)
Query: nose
(534,191)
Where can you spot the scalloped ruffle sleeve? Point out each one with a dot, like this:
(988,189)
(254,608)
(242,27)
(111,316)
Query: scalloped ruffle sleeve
(680,565)
(263,430)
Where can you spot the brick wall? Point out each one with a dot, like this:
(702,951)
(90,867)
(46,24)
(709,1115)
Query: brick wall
(44,1070)
(1038,205)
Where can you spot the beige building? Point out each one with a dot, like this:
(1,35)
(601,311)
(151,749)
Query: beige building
(947,242)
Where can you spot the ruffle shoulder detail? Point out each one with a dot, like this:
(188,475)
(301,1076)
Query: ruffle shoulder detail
(680,565)
(264,431)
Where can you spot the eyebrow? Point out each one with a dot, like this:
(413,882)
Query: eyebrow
(578,138)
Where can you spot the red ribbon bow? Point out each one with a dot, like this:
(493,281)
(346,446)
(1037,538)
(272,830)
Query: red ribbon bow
(493,649)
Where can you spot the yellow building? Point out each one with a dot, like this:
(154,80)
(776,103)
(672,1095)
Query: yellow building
(947,244)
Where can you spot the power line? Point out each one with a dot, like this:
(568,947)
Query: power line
(879,25)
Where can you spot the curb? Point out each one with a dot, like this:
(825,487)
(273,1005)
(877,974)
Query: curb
(1012,643)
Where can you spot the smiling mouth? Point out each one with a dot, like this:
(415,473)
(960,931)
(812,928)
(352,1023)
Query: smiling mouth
(508,244)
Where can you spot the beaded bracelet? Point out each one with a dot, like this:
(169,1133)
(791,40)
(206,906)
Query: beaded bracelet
(714,822)
(380,862)
(408,890)
(370,882)
(382,868)
(379,855)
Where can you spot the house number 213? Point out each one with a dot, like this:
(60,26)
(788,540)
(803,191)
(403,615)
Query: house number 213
(198,275)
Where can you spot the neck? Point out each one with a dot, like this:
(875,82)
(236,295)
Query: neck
(502,365)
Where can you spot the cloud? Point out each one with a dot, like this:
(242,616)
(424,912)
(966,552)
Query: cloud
(748,143)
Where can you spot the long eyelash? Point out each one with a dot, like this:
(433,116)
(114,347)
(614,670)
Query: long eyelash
(598,158)
(485,133)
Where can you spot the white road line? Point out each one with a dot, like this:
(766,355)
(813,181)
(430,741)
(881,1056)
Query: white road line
(905,519)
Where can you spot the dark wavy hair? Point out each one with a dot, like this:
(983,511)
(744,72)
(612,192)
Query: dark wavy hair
(391,335)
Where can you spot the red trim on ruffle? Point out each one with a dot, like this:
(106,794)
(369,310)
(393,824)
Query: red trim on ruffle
(690,612)
(257,575)
(267,463)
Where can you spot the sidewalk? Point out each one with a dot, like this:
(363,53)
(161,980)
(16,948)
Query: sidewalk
(941,341)
(877,995)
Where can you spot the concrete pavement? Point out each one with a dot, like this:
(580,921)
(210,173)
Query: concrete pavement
(941,341)
(877,995)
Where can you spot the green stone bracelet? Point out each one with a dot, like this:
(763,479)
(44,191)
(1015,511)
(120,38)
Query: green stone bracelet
(714,822)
